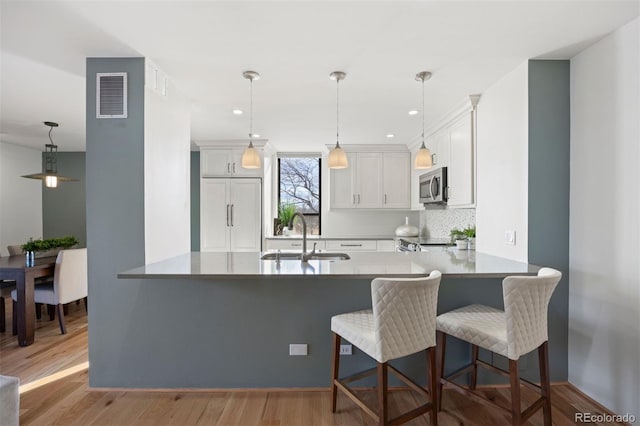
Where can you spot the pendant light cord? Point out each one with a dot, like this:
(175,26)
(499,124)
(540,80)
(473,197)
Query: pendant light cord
(423,111)
(337,111)
(251,110)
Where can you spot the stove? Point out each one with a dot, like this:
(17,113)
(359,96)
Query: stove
(417,244)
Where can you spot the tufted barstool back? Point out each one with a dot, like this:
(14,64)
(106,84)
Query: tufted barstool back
(404,315)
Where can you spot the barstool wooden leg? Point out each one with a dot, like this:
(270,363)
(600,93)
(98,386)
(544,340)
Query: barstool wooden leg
(60,309)
(335,366)
(3,324)
(474,370)
(382,393)
(543,360)
(514,379)
(441,342)
(433,385)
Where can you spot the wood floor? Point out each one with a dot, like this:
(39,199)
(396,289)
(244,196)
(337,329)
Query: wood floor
(68,401)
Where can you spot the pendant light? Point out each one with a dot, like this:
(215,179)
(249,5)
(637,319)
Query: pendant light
(337,157)
(50,174)
(250,156)
(423,156)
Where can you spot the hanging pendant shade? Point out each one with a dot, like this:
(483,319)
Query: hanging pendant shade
(337,157)
(424,159)
(250,156)
(50,175)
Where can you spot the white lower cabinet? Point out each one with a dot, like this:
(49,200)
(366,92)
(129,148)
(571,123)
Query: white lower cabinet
(351,245)
(296,244)
(386,245)
(230,214)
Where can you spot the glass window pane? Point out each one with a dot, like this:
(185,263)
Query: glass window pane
(300,186)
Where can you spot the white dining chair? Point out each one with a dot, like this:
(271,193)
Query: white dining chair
(516,331)
(402,322)
(69,284)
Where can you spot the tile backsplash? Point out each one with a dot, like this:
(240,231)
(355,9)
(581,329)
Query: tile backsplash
(437,222)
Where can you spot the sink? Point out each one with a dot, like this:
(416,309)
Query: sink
(296,256)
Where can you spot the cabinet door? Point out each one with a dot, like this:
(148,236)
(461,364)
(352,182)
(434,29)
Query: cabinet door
(245,214)
(460,172)
(441,145)
(342,186)
(235,161)
(369,194)
(396,172)
(214,202)
(214,162)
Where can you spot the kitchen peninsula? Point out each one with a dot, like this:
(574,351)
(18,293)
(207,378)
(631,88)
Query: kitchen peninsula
(238,314)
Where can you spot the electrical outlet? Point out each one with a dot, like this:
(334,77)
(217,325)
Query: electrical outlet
(345,349)
(510,237)
(298,349)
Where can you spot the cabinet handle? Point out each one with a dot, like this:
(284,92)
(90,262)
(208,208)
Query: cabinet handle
(227,214)
(231,214)
(296,245)
(433,158)
(234,167)
(350,245)
(354,198)
(358,198)
(385,198)
(228,167)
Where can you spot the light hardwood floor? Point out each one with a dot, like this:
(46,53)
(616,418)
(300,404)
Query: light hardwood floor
(69,401)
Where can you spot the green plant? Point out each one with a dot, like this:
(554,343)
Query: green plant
(285,213)
(50,243)
(470,231)
(457,234)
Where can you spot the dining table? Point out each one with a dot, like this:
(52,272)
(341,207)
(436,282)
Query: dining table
(14,268)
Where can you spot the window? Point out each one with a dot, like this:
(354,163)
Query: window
(299,185)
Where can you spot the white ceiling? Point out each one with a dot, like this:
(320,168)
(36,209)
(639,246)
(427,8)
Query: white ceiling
(204,46)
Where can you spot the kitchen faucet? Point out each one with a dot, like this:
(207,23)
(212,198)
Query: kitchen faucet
(305,256)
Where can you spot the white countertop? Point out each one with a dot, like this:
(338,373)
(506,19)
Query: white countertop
(450,261)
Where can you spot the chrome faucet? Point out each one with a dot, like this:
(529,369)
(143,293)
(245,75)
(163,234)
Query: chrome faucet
(304,256)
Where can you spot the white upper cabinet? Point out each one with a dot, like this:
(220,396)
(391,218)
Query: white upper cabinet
(369,175)
(452,146)
(225,163)
(396,168)
(460,167)
(373,180)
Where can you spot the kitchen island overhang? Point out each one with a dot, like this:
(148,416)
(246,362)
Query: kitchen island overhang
(225,320)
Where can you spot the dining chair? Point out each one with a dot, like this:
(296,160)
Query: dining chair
(402,322)
(519,329)
(69,284)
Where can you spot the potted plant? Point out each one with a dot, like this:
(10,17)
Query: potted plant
(458,236)
(50,246)
(285,213)
(470,233)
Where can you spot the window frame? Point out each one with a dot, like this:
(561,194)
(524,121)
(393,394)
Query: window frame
(319,214)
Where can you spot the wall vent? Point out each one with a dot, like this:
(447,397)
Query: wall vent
(111,95)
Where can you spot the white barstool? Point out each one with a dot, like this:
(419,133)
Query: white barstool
(402,322)
(516,331)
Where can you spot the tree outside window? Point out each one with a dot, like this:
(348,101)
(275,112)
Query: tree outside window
(299,185)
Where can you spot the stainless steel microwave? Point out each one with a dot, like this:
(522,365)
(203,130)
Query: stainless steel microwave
(433,186)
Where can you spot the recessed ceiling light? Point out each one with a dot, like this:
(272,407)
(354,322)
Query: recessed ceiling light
(414,112)
(255,135)
(238,112)
(390,135)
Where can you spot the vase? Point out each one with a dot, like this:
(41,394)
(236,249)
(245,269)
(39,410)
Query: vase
(29,258)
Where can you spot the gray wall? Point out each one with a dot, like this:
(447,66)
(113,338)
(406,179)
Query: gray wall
(195,201)
(115,227)
(549,137)
(63,208)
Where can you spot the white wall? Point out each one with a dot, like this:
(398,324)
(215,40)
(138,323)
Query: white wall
(20,198)
(166,176)
(604,255)
(502,166)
